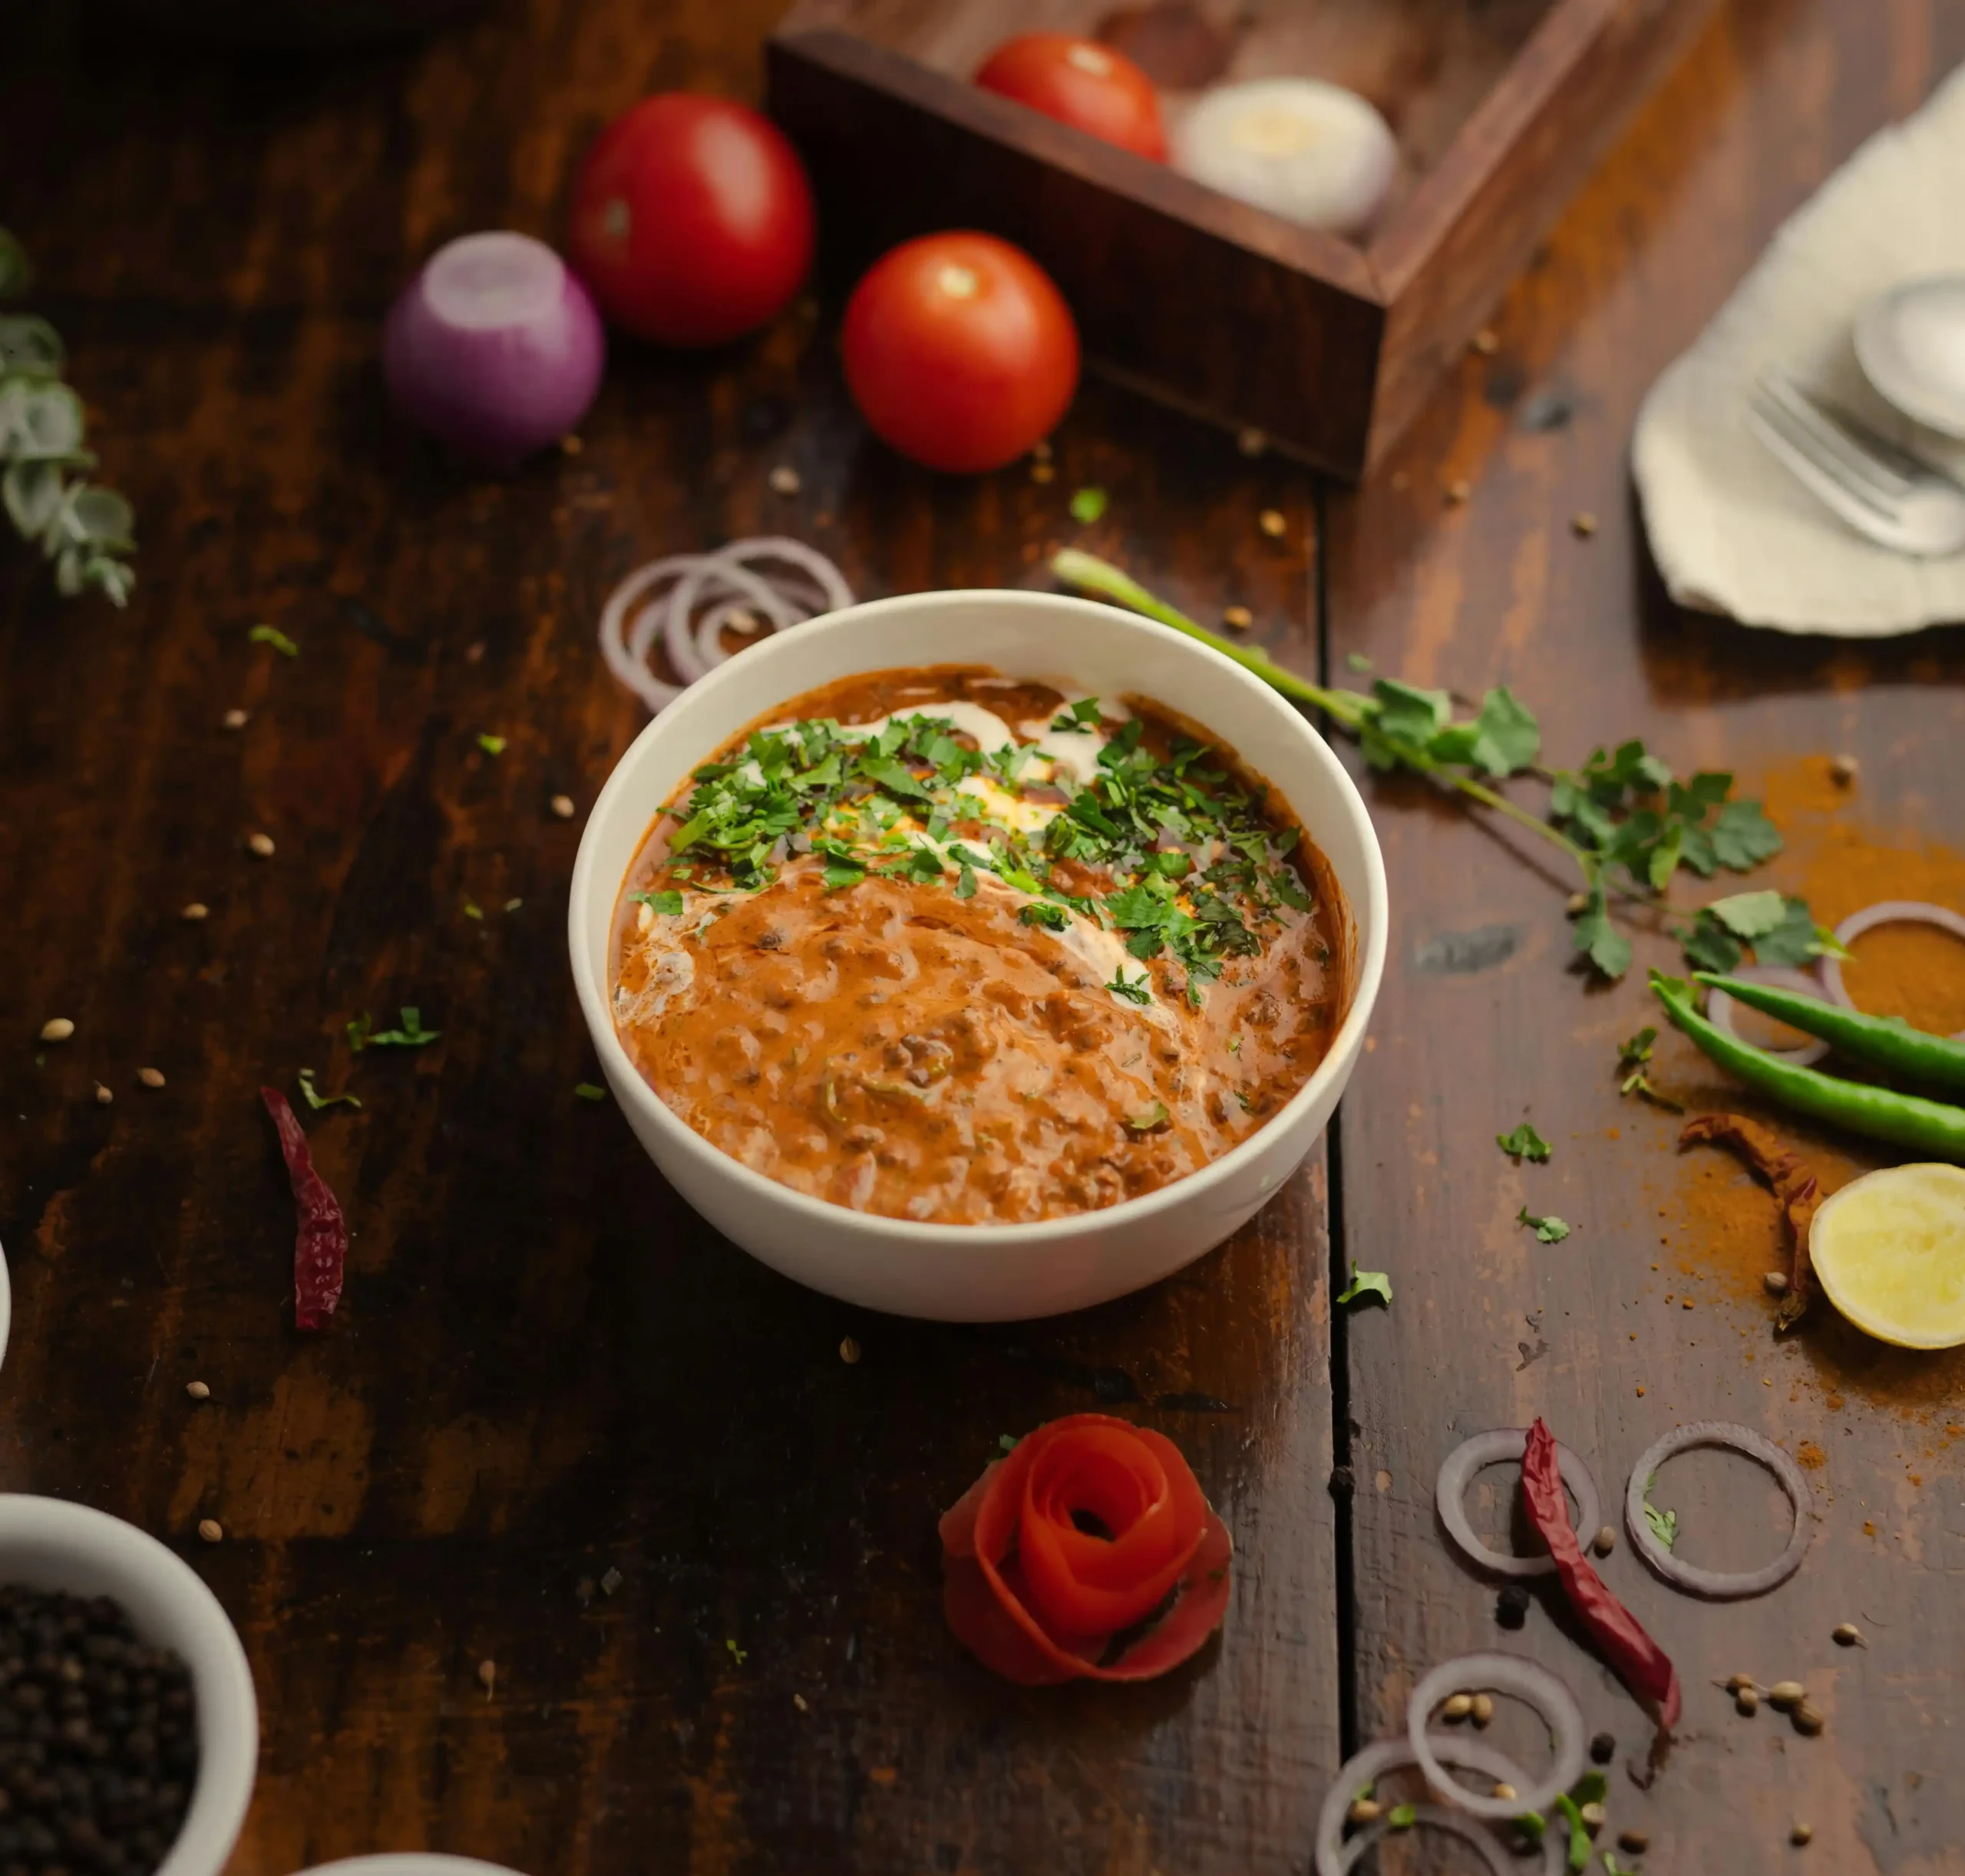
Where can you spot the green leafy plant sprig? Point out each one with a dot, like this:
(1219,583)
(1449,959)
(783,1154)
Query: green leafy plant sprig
(85,529)
(1628,824)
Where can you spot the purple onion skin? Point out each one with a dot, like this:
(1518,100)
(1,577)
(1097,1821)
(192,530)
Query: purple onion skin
(492,397)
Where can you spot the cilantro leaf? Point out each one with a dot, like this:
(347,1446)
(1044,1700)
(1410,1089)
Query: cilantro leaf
(1052,918)
(277,639)
(1139,908)
(1600,940)
(1148,1119)
(490,744)
(316,1100)
(894,776)
(670,903)
(1524,1143)
(589,1090)
(1708,944)
(1134,990)
(1402,1817)
(839,873)
(1084,715)
(412,1034)
(965,883)
(1749,915)
(1290,890)
(1792,939)
(1365,1283)
(1581,1847)
(1664,1524)
(1743,836)
(1638,1082)
(1550,1230)
(1408,713)
(1087,505)
(1508,738)
(1637,1048)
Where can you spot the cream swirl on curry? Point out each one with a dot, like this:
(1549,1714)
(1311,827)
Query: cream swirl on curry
(955,947)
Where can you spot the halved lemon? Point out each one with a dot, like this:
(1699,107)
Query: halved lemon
(1890,1250)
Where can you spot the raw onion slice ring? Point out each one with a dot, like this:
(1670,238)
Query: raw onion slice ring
(1719,1008)
(1335,1854)
(1718,1585)
(1486,1449)
(1528,1681)
(1886,912)
(665,600)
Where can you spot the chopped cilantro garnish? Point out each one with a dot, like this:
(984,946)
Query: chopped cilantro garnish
(1550,1230)
(1366,1283)
(1134,990)
(965,883)
(316,1100)
(1082,715)
(1402,1817)
(669,904)
(1087,506)
(589,1090)
(491,745)
(277,639)
(1664,1524)
(412,1034)
(1524,1143)
(1052,918)
(1154,1116)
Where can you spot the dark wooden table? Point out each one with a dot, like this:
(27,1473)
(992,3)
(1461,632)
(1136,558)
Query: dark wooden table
(559,1427)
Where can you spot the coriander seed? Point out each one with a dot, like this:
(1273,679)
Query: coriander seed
(197,1390)
(1843,770)
(103,1096)
(260,845)
(1846,1635)
(562,806)
(1457,1706)
(150,1078)
(1504,1789)
(1801,1834)
(1584,524)
(211,1531)
(1636,1842)
(1735,1681)
(1364,1811)
(849,1350)
(1272,522)
(56,1029)
(1775,1282)
(195,910)
(487,1674)
(784,480)
(1458,490)
(1605,1541)
(1238,618)
(1786,1693)
(1808,1719)
(1748,1700)
(1595,1817)
(234,719)
(1482,1712)
(1487,341)
(1251,441)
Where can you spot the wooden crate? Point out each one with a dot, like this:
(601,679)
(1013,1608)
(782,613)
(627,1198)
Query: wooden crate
(1330,347)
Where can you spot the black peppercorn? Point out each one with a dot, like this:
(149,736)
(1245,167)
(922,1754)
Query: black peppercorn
(98,1739)
(1511,1606)
(1603,1747)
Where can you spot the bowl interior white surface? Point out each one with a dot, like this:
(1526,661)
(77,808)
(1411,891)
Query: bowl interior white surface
(6,1308)
(409,1863)
(1077,645)
(48,1543)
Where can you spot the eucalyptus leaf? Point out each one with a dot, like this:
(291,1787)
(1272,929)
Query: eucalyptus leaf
(30,346)
(16,271)
(104,517)
(31,492)
(49,424)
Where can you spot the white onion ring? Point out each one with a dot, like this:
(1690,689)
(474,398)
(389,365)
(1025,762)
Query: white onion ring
(1528,1681)
(1886,912)
(1335,1854)
(1718,1586)
(726,586)
(1485,1449)
(1719,1009)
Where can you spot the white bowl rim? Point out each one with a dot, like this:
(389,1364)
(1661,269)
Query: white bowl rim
(6,1306)
(226,1703)
(1370,921)
(408,1863)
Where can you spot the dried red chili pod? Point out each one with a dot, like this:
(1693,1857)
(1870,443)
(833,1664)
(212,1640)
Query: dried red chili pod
(1640,1664)
(320,1250)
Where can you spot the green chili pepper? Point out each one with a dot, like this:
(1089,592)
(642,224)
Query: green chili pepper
(1889,1042)
(1905,1119)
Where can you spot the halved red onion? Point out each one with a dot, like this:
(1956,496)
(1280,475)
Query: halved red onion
(1717,1585)
(1335,1854)
(690,599)
(1719,1009)
(1886,912)
(1485,1449)
(1528,1681)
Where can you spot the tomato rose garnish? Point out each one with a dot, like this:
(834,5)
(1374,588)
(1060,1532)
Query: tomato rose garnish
(1089,1552)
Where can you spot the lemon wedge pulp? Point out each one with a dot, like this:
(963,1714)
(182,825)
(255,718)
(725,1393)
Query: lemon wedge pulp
(1890,1250)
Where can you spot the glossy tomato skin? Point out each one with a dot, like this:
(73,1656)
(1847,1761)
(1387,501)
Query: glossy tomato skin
(960,350)
(1080,82)
(692,220)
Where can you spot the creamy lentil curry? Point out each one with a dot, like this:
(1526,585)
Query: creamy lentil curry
(950,946)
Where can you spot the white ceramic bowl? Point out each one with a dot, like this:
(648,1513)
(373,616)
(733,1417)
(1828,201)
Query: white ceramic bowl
(982,1273)
(6,1307)
(409,1863)
(51,1545)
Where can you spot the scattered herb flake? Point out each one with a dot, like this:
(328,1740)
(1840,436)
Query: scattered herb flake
(1365,1283)
(965,883)
(1134,990)
(740,1655)
(1006,1442)
(1087,506)
(472,909)
(1524,1143)
(277,639)
(1664,1524)
(1402,1817)
(412,1034)
(1580,1846)
(1550,1230)
(1357,661)
(1636,1049)
(1151,1118)
(490,744)
(316,1100)
(589,1090)
(664,904)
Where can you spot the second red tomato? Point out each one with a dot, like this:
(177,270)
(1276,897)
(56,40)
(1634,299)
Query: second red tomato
(960,350)
(1080,82)
(692,220)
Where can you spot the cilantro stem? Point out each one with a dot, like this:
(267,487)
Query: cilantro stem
(1091,574)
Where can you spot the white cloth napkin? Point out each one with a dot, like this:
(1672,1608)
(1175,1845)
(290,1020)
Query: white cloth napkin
(1732,531)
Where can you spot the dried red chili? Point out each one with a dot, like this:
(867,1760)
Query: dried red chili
(320,1250)
(1795,1187)
(1640,1664)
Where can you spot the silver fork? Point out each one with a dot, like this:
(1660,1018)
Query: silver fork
(1896,500)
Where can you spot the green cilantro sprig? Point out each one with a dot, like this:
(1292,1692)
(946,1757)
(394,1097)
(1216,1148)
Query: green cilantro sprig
(1550,1230)
(1626,822)
(1524,1143)
(1366,1283)
(412,1034)
(86,531)
(1664,1524)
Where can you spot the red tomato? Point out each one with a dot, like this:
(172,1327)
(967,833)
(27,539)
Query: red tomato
(960,350)
(1080,82)
(692,220)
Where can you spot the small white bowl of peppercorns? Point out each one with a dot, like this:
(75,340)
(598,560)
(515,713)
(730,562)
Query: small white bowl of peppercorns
(129,1733)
